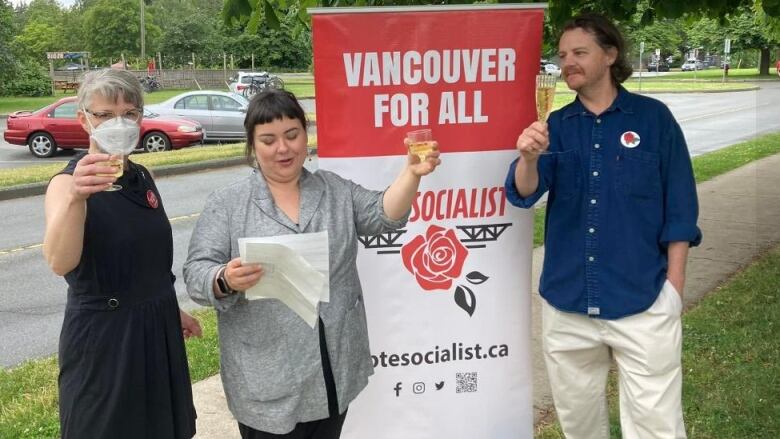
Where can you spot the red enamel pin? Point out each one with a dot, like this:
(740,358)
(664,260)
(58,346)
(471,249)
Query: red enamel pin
(151,198)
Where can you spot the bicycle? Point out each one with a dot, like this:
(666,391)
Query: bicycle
(261,83)
(150,84)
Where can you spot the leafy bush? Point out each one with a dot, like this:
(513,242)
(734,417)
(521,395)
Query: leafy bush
(29,79)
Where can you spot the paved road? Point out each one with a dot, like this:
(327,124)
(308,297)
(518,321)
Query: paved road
(711,121)
(32,299)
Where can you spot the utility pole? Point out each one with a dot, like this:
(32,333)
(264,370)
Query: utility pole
(143,32)
(641,51)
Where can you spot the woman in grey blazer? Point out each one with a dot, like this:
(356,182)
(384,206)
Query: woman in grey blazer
(281,377)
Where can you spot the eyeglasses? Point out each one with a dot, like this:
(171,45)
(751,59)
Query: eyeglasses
(130,115)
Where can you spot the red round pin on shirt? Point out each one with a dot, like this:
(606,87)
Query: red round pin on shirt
(151,198)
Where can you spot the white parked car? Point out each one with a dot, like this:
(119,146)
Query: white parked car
(244,80)
(550,69)
(691,65)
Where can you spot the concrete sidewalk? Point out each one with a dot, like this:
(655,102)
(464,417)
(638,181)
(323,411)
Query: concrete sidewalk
(739,217)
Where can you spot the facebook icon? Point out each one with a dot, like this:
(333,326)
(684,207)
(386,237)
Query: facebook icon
(397,388)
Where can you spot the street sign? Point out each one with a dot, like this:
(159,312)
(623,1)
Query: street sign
(658,52)
(642,46)
(66,55)
(727,46)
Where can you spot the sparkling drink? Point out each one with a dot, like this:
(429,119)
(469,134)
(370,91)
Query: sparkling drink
(545,95)
(115,164)
(421,143)
(421,149)
(544,102)
(118,166)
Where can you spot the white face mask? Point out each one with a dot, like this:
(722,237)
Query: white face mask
(116,136)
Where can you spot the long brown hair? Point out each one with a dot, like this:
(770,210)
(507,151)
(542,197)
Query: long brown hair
(607,36)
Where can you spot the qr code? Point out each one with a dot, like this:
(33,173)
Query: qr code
(465,382)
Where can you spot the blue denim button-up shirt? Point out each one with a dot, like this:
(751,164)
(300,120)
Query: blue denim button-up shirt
(621,188)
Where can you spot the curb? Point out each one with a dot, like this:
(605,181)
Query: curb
(32,189)
(736,90)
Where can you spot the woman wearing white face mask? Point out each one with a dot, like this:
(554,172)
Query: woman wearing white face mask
(123,365)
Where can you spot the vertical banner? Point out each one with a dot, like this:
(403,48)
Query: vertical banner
(448,297)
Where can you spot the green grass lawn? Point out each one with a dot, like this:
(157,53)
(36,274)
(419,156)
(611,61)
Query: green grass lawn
(301,90)
(660,85)
(717,74)
(9,104)
(731,360)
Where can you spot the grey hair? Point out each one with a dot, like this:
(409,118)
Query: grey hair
(111,84)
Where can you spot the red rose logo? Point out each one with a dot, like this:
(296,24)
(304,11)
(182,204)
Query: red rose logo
(630,139)
(435,259)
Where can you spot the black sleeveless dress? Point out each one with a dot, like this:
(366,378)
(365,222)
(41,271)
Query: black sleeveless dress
(123,365)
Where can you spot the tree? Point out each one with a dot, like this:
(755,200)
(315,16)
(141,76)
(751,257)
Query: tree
(663,34)
(113,27)
(748,28)
(186,34)
(7,60)
(748,31)
(266,12)
(561,10)
(42,30)
(286,47)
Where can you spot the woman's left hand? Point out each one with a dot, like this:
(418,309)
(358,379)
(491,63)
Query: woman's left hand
(190,327)
(428,165)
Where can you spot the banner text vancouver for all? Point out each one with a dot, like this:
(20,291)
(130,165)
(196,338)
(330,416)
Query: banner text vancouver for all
(410,68)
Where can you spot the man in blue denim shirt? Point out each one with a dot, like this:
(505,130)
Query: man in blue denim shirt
(621,214)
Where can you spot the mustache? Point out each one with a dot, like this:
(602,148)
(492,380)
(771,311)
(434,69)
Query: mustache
(569,70)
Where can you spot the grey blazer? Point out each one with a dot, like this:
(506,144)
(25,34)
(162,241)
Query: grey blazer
(270,358)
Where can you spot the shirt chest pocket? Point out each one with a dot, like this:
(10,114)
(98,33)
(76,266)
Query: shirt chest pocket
(638,173)
(567,176)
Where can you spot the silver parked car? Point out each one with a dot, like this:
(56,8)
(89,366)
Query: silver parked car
(220,113)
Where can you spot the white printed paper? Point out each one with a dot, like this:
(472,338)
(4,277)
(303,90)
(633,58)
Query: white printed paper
(296,270)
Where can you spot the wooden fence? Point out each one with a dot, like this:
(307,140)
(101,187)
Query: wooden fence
(182,78)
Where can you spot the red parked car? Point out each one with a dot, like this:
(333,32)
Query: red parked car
(56,126)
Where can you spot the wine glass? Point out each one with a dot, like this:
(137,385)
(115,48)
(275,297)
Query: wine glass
(116,162)
(420,143)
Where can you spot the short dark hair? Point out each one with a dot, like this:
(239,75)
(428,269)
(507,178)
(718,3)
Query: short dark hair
(265,107)
(607,36)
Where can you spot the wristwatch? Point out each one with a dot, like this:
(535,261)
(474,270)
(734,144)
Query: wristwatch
(222,283)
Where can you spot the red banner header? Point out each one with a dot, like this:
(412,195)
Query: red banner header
(467,75)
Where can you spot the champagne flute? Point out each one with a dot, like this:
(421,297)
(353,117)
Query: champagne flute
(421,143)
(116,162)
(545,95)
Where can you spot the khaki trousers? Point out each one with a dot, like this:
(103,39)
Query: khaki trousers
(647,350)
